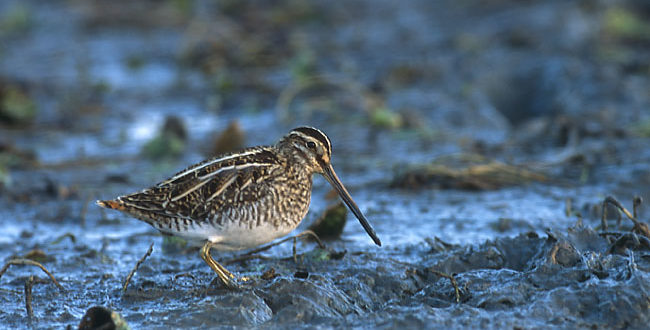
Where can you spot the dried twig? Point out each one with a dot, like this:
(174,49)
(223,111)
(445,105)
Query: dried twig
(636,202)
(28,297)
(22,261)
(467,172)
(613,201)
(294,249)
(622,242)
(84,209)
(137,265)
(639,227)
(453,282)
(59,239)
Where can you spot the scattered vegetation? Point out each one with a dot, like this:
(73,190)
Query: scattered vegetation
(17,19)
(383,117)
(28,262)
(170,141)
(624,24)
(135,268)
(16,106)
(331,223)
(472,172)
(99,317)
(641,128)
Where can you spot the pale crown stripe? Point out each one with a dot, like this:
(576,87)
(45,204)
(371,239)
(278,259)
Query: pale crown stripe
(307,137)
(302,135)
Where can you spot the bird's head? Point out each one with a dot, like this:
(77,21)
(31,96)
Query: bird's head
(314,149)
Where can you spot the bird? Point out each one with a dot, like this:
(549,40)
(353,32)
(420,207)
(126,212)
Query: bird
(240,200)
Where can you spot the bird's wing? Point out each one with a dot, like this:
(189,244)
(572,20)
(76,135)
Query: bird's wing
(195,190)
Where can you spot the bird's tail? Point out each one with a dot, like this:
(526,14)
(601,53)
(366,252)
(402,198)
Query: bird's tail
(112,204)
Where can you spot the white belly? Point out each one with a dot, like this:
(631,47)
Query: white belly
(237,238)
(231,235)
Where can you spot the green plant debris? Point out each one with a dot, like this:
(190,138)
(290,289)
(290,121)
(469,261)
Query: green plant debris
(135,62)
(99,317)
(16,107)
(384,117)
(164,146)
(223,82)
(60,239)
(17,19)
(295,11)
(38,256)
(5,177)
(172,244)
(120,323)
(641,128)
(318,255)
(303,65)
(170,142)
(622,23)
(184,7)
(331,222)
(12,157)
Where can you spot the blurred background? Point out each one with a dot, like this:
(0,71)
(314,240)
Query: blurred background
(462,120)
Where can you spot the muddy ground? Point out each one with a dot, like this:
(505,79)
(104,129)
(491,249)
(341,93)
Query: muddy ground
(480,138)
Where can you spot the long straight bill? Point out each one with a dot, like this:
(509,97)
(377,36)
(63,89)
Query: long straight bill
(330,175)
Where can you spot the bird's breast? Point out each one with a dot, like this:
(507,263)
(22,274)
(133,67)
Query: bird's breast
(258,213)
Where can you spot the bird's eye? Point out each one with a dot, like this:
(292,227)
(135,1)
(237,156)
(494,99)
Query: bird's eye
(311,145)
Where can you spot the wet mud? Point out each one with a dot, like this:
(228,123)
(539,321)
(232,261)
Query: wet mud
(500,150)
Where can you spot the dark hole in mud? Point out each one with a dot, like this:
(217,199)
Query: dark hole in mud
(301,274)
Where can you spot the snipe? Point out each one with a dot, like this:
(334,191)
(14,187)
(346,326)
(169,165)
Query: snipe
(240,200)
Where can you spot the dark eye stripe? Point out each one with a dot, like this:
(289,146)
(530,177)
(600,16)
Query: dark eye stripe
(316,134)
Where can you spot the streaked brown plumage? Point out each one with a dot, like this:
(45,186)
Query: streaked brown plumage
(240,200)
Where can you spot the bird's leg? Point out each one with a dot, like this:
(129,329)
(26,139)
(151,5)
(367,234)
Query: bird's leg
(225,276)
